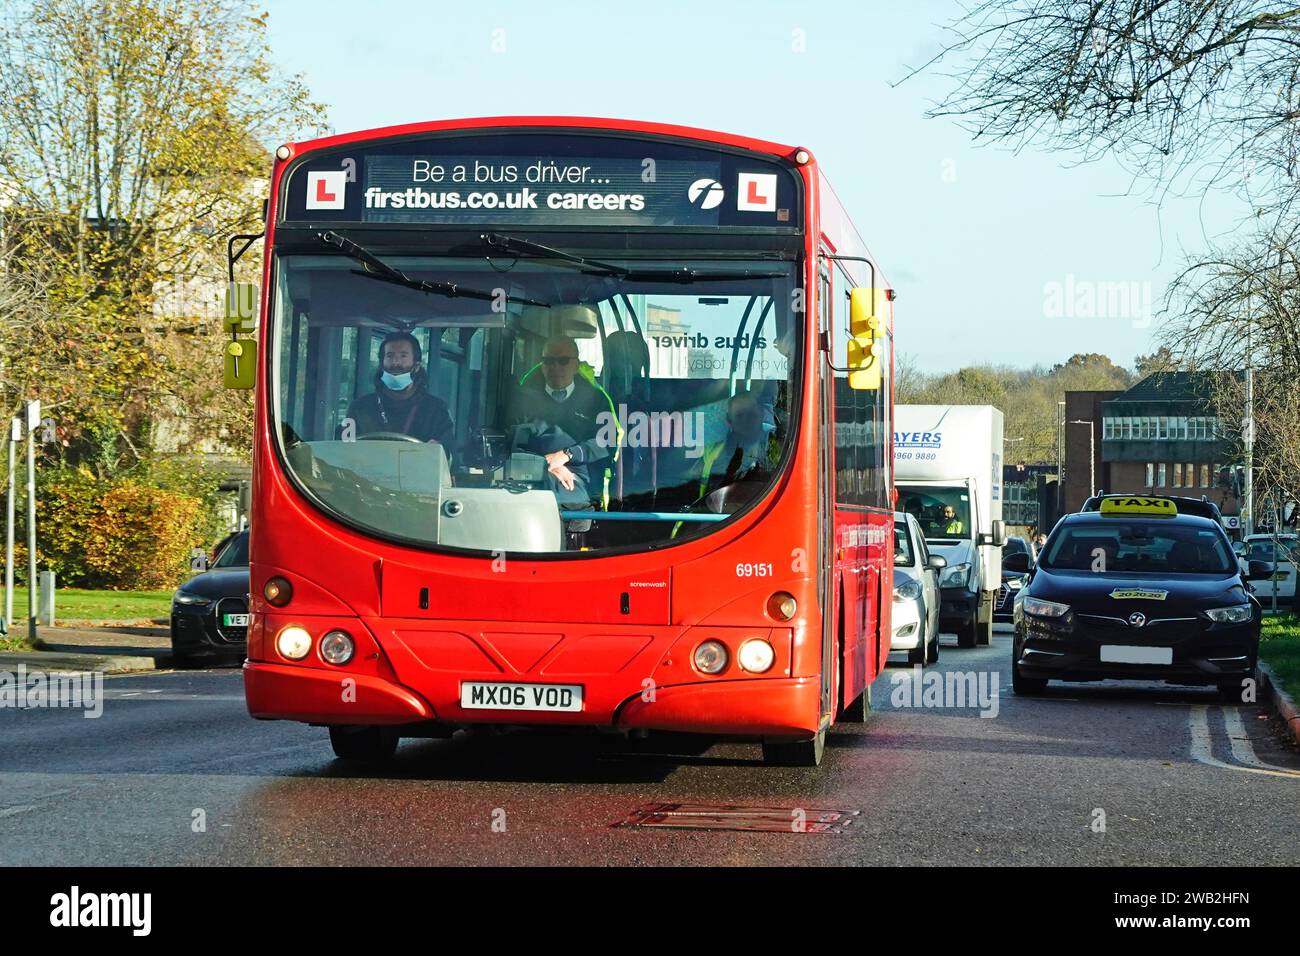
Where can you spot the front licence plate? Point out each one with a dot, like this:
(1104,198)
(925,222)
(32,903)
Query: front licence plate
(493,695)
(234,620)
(1123,654)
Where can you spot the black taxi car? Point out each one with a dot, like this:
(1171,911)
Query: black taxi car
(1136,590)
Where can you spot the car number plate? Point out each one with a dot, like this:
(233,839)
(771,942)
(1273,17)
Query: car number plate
(234,620)
(494,695)
(1123,654)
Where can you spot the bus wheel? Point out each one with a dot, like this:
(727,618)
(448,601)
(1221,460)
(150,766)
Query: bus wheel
(795,753)
(364,744)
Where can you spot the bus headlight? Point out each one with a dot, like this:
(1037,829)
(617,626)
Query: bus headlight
(756,656)
(710,657)
(293,642)
(337,647)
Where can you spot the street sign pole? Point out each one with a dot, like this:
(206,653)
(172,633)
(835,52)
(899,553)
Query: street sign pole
(33,420)
(15,436)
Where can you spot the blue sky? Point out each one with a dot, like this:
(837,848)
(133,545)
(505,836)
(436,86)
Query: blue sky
(981,244)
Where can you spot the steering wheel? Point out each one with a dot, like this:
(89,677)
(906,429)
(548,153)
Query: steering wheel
(388,436)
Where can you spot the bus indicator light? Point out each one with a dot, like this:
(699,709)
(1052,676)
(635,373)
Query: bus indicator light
(277,591)
(782,606)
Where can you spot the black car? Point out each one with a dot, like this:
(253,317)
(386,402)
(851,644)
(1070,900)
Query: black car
(1017,559)
(210,611)
(1137,591)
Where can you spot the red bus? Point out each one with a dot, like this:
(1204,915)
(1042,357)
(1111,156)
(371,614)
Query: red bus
(567,422)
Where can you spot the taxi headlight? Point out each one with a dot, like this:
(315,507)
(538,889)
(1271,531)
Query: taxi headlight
(907,591)
(756,656)
(955,576)
(711,657)
(1237,614)
(293,642)
(1041,608)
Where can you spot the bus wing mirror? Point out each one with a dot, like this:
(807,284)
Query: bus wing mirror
(866,352)
(240,363)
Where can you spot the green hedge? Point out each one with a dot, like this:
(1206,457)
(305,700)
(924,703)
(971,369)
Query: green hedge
(122,534)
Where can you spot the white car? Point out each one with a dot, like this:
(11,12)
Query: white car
(1259,547)
(915,612)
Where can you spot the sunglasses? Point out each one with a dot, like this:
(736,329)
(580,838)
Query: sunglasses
(557,359)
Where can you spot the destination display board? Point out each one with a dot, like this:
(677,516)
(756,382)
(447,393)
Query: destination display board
(526,178)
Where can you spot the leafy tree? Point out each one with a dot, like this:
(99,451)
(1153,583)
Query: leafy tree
(132,137)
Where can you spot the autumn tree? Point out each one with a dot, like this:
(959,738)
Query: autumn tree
(134,137)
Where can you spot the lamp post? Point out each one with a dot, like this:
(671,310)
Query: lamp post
(1060,469)
(1092,455)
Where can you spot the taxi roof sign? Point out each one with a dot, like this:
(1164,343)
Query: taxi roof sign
(1138,505)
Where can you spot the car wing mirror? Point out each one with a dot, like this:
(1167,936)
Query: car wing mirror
(1259,570)
(937,562)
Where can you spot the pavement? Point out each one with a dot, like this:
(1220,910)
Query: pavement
(176,772)
(114,648)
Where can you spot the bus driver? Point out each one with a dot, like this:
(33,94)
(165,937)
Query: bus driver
(401,402)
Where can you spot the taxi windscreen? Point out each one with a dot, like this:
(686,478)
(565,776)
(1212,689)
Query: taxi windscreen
(1155,546)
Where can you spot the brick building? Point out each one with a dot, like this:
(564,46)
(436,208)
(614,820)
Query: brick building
(1160,436)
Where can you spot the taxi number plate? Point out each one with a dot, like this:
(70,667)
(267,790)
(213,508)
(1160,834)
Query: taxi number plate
(493,695)
(1124,654)
(234,620)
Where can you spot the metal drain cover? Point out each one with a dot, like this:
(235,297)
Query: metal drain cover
(700,816)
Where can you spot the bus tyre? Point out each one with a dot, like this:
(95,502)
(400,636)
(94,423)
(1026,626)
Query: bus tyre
(795,753)
(1026,686)
(984,632)
(364,744)
(968,636)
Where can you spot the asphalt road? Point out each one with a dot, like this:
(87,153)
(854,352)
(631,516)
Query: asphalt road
(175,772)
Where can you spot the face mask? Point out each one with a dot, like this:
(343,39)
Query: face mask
(397,382)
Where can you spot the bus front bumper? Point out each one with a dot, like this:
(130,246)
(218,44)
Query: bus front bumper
(779,706)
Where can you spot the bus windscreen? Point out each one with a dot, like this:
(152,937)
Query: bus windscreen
(572,411)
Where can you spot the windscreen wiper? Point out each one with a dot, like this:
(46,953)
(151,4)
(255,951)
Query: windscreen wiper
(515,246)
(512,245)
(386,273)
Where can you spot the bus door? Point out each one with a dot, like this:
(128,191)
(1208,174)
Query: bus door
(827,590)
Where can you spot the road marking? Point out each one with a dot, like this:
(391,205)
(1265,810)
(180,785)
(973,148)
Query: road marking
(1242,749)
(165,695)
(14,811)
(1198,724)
